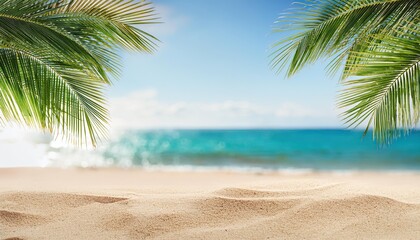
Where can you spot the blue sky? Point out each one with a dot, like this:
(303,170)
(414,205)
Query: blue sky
(212,70)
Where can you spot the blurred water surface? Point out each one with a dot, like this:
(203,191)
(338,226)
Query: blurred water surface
(242,149)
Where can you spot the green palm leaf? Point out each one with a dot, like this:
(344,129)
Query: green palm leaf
(362,36)
(329,27)
(385,89)
(55,57)
(47,96)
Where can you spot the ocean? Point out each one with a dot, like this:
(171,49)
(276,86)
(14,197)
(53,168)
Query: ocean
(271,149)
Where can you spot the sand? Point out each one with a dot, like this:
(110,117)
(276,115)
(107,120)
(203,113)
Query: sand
(138,204)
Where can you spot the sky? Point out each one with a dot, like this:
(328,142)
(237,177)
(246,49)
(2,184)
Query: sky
(211,70)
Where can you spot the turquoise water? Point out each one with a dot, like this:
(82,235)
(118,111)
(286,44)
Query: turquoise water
(266,149)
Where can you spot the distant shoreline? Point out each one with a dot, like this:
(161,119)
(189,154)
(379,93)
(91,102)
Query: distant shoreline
(244,170)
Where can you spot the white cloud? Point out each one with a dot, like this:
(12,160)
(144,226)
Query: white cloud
(242,108)
(143,109)
(289,109)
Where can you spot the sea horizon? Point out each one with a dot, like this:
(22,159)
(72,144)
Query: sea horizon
(236,149)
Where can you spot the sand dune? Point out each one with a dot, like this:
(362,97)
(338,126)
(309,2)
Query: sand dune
(136,204)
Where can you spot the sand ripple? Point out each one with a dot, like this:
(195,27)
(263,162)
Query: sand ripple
(294,209)
(226,213)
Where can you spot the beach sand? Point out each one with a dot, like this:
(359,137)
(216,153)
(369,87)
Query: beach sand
(138,204)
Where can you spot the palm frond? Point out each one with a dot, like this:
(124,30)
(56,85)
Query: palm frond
(385,85)
(49,96)
(100,25)
(326,28)
(55,57)
(25,32)
(118,23)
(376,45)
